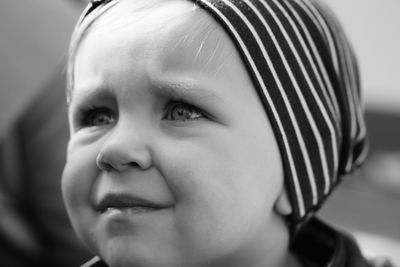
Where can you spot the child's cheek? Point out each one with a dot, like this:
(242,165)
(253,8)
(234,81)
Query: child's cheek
(78,178)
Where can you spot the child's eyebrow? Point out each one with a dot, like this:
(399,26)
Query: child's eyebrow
(183,88)
(89,92)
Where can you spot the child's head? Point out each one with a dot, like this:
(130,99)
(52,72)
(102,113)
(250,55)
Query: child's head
(183,144)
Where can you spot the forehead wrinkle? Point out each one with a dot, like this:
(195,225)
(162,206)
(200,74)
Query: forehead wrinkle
(183,87)
(90,91)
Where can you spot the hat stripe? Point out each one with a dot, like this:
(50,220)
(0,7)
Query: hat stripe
(320,22)
(358,127)
(303,107)
(300,208)
(310,189)
(323,82)
(330,95)
(318,161)
(297,111)
(313,56)
(322,109)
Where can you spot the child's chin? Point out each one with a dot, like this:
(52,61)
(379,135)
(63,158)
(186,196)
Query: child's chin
(125,253)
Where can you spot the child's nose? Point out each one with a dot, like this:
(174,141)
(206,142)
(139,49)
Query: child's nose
(123,149)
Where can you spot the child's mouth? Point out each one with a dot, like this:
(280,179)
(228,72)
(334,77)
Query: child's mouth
(126,204)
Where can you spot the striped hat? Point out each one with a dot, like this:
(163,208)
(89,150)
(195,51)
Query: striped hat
(306,75)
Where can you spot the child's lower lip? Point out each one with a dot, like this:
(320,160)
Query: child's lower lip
(127,219)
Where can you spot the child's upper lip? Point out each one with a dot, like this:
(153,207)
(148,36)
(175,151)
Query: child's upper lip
(124,200)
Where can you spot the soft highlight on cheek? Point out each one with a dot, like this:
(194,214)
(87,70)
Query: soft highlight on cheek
(78,178)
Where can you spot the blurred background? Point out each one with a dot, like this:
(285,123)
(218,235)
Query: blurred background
(34,35)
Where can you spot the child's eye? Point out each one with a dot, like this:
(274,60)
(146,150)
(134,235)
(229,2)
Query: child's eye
(183,112)
(95,117)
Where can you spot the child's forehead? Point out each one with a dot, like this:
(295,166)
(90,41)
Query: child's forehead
(160,16)
(173,29)
(192,47)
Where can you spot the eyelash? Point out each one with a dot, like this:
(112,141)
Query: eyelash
(87,115)
(173,105)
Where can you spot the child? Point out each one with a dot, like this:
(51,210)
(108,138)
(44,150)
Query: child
(207,133)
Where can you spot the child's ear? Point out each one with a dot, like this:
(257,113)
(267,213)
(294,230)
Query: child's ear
(282,204)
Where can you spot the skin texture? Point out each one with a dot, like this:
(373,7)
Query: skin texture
(167,115)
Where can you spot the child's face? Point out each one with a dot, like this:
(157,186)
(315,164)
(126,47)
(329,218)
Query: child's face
(189,169)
